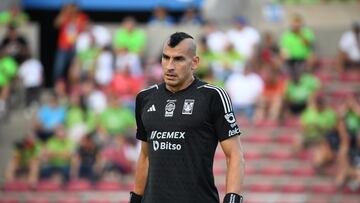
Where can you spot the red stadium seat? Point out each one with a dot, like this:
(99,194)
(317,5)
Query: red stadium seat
(324,188)
(69,200)
(267,124)
(38,200)
(108,186)
(16,186)
(48,186)
(9,200)
(272,170)
(252,155)
(280,155)
(286,139)
(350,76)
(259,139)
(318,201)
(303,171)
(249,170)
(292,122)
(219,170)
(98,201)
(305,155)
(293,188)
(78,185)
(261,187)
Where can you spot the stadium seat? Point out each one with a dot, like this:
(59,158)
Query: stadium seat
(9,200)
(324,188)
(16,186)
(219,170)
(252,155)
(249,170)
(78,185)
(272,170)
(261,187)
(302,171)
(38,200)
(292,122)
(259,139)
(108,186)
(98,201)
(286,139)
(318,201)
(280,155)
(69,200)
(48,186)
(305,155)
(267,124)
(293,188)
(350,76)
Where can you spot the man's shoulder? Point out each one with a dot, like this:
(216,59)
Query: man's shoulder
(210,89)
(149,90)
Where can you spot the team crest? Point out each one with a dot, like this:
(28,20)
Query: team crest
(169,108)
(188,106)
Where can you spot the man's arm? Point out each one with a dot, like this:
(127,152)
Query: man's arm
(141,171)
(235,164)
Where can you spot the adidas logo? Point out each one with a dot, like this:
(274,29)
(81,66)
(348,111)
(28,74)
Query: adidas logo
(152,108)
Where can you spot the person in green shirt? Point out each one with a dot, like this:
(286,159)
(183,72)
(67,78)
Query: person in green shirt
(8,70)
(296,47)
(24,161)
(57,155)
(299,90)
(130,37)
(79,119)
(116,120)
(14,16)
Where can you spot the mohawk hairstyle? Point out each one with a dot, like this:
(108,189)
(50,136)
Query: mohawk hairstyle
(177,37)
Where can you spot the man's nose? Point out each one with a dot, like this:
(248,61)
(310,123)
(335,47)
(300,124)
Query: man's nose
(170,65)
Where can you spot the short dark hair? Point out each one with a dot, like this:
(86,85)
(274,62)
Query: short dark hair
(177,37)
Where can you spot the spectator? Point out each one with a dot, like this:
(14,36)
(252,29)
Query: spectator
(227,62)
(269,53)
(317,121)
(104,67)
(61,90)
(84,63)
(296,47)
(31,74)
(349,49)
(299,90)
(57,154)
(271,100)
(128,62)
(216,40)
(191,17)
(79,119)
(117,158)
(24,160)
(343,146)
(207,58)
(95,99)
(109,122)
(13,17)
(129,37)
(14,44)
(98,35)
(86,162)
(49,117)
(8,69)
(70,22)
(245,38)
(160,17)
(244,101)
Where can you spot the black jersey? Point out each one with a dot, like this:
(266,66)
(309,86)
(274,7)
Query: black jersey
(183,130)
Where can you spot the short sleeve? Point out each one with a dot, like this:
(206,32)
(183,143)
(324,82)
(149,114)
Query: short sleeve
(223,117)
(140,129)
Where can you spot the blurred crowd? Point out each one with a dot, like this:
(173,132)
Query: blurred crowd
(85,126)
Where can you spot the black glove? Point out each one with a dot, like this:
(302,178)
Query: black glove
(233,198)
(135,198)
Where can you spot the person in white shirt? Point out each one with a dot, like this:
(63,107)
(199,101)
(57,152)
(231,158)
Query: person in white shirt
(245,90)
(104,67)
(244,38)
(216,40)
(95,99)
(349,49)
(31,74)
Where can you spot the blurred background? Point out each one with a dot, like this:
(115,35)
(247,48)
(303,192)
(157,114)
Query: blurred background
(70,71)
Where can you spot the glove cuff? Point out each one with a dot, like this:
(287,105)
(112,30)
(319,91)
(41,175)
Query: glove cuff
(135,198)
(233,198)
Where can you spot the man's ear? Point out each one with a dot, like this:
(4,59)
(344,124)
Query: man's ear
(195,62)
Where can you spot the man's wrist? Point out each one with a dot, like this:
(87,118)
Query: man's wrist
(233,198)
(135,198)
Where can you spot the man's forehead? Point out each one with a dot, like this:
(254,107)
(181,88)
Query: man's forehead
(182,47)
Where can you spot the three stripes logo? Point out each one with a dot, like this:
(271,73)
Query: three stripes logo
(151,108)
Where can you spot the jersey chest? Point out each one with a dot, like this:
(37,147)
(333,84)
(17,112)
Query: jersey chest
(164,111)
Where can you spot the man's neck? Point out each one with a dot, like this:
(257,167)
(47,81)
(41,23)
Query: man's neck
(184,86)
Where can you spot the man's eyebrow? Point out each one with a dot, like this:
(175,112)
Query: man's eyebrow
(165,56)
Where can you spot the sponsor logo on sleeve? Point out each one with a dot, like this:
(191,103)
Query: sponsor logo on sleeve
(234,131)
(230,118)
